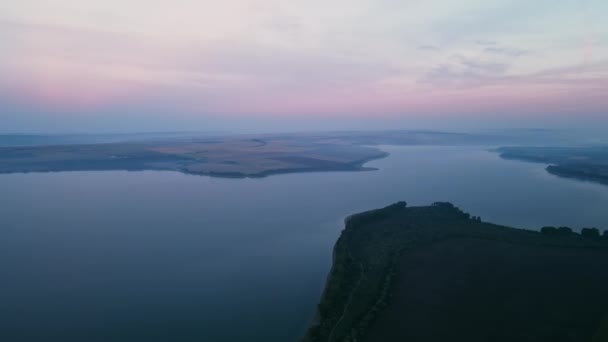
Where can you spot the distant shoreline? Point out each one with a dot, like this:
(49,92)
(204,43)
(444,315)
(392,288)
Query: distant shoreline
(589,164)
(222,158)
(355,167)
(228,156)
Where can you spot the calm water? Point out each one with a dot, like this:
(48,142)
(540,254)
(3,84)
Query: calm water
(161,256)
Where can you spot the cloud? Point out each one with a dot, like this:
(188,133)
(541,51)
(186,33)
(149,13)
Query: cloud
(429,47)
(67,67)
(463,71)
(238,57)
(511,52)
(485,42)
(467,73)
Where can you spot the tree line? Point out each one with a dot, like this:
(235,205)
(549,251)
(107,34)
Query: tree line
(567,231)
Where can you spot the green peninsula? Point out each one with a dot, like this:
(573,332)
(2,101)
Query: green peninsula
(435,273)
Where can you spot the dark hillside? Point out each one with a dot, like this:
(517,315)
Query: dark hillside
(435,274)
(484,290)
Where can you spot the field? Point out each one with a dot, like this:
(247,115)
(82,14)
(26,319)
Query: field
(224,157)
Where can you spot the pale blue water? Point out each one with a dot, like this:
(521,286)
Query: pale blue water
(162,256)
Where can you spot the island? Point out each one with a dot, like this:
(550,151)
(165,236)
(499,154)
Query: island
(584,163)
(435,273)
(221,156)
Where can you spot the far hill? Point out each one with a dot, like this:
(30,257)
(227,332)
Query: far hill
(435,273)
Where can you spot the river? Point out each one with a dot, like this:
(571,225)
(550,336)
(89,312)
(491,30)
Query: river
(163,256)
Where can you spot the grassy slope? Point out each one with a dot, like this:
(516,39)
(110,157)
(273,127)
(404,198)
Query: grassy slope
(368,261)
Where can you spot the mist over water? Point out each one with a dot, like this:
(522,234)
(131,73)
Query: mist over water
(162,256)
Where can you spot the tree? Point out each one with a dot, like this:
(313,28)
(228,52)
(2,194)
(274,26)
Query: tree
(590,232)
(564,231)
(548,230)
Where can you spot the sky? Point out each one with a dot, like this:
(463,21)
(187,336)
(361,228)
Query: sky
(248,65)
